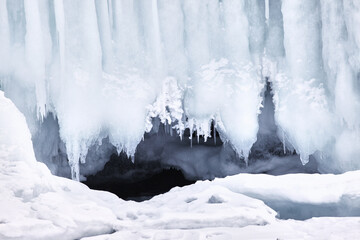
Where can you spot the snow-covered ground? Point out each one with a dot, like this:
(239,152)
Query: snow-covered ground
(37,205)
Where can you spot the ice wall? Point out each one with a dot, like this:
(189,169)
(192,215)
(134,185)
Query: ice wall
(105,69)
(302,103)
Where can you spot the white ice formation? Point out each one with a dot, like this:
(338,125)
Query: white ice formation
(104,69)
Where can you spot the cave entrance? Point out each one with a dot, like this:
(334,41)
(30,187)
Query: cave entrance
(155,170)
(136,181)
(164,161)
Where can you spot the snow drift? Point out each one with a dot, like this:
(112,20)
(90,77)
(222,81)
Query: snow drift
(106,69)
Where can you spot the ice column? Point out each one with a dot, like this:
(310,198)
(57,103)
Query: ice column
(340,49)
(35,55)
(302,109)
(244,84)
(104,26)
(78,103)
(171,21)
(5,60)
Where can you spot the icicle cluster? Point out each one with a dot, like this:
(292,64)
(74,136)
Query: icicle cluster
(105,68)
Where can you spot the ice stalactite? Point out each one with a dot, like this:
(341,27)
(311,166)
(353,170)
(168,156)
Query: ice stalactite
(300,86)
(284,142)
(105,69)
(35,52)
(103,13)
(4,40)
(79,96)
(267,11)
(341,61)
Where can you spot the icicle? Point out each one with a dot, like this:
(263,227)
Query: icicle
(4,39)
(35,55)
(75,171)
(181,134)
(60,27)
(104,25)
(304,158)
(198,136)
(118,149)
(110,13)
(132,158)
(82,158)
(283,142)
(74,157)
(191,126)
(157,39)
(267,10)
(214,134)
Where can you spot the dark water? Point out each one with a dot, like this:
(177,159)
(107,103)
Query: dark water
(143,188)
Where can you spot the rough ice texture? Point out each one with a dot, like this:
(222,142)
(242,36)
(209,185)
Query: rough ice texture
(104,69)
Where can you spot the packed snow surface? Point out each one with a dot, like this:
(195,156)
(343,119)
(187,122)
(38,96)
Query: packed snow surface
(35,204)
(106,69)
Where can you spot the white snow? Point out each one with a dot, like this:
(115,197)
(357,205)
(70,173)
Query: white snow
(317,228)
(37,205)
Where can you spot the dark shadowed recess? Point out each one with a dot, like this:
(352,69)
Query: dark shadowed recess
(150,176)
(136,181)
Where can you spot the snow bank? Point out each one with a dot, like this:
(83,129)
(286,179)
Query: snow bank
(206,209)
(35,204)
(317,228)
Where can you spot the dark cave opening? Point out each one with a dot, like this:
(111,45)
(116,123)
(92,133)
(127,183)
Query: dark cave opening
(149,176)
(163,161)
(139,185)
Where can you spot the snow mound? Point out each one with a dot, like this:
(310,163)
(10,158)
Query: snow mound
(213,206)
(35,204)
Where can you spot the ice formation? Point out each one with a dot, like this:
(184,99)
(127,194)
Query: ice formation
(105,69)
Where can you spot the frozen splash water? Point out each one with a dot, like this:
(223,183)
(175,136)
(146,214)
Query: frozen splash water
(106,68)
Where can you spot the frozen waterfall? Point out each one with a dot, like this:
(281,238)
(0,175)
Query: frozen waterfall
(92,72)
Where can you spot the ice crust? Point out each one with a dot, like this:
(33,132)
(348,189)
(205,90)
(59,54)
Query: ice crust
(105,69)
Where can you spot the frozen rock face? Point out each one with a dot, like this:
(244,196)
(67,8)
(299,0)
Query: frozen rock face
(105,69)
